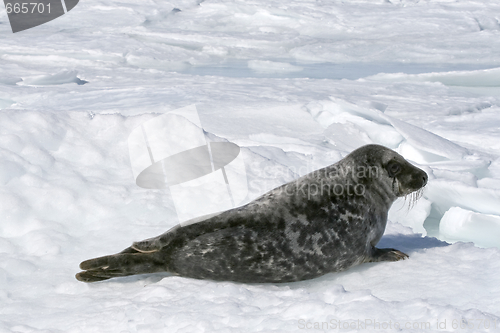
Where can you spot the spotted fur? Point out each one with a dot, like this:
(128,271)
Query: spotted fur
(291,233)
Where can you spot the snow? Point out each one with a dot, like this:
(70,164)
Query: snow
(297,85)
(482,229)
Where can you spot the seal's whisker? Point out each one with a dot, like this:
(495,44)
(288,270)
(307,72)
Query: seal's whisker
(414,197)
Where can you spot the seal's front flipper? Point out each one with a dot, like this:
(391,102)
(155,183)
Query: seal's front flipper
(387,255)
(121,264)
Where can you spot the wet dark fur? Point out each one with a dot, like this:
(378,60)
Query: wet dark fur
(292,233)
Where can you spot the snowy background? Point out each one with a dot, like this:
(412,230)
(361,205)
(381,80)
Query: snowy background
(297,85)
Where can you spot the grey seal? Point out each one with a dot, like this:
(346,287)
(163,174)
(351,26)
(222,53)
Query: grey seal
(326,221)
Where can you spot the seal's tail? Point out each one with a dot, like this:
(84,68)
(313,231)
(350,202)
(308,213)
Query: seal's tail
(121,264)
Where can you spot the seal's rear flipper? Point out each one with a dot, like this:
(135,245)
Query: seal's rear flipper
(87,276)
(121,264)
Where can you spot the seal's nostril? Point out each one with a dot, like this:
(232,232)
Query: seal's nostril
(424,179)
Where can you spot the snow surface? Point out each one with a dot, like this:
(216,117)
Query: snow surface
(297,85)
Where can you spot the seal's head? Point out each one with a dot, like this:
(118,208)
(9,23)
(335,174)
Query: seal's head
(396,175)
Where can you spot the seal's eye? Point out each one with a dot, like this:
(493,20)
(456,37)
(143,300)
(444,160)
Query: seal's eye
(393,169)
